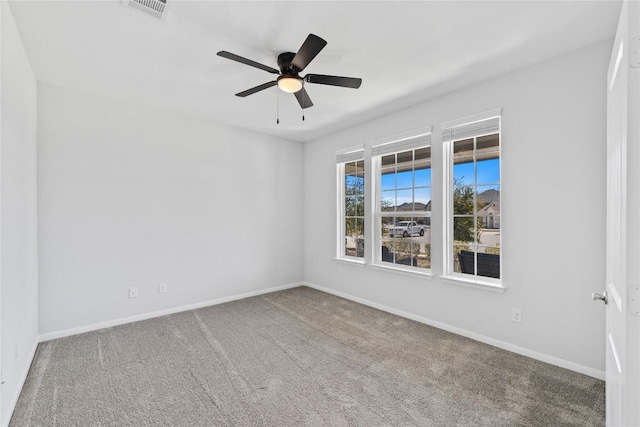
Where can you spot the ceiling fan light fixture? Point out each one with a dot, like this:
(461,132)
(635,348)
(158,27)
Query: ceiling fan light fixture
(289,84)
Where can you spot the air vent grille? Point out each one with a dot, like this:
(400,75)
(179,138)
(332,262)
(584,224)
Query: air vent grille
(152,7)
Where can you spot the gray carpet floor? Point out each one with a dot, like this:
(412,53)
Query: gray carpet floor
(299,357)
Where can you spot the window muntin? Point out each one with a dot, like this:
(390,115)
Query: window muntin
(404,208)
(475,216)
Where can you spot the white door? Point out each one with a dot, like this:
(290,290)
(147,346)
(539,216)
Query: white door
(623,224)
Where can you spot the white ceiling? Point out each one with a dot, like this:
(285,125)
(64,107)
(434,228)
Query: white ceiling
(405,52)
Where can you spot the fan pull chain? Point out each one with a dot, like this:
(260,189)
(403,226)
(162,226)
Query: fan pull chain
(303,94)
(277,109)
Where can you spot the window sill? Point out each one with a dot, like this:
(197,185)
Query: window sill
(404,271)
(474,283)
(351,261)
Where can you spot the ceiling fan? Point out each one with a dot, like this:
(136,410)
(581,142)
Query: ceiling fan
(291,64)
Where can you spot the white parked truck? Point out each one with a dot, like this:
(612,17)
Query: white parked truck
(406,229)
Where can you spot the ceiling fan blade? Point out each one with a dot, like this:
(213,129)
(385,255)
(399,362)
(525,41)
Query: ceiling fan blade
(256,89)
(234,57)
(303,98)
(322,79)
(309,49)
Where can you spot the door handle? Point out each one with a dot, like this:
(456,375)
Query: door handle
(600,297)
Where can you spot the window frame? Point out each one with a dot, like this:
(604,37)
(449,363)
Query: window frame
(348,155)
(414,140)
(449,275)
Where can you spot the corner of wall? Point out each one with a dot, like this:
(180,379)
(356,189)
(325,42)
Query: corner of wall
(18,214)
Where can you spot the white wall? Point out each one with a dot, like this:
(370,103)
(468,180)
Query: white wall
(18,214)
(553,206)
(134,196)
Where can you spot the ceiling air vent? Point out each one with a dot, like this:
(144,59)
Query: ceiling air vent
(151,7)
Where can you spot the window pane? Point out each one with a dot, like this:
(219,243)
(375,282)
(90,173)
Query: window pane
(386,223)
(487,146)
(405,159)
(350,203)
(424,258)
(490,233)
(388,201)
(463,200)
(349,240)
(488,171)
(389,160)
(388,181)
(349,182)
(404,200)
(360,227)
(488,200)
(354,239)
(463,230)
(353,185)
(463,151)
(422,199)
(349,246)
(490,249)
(404,179)
(422,154)
(360,238)
(456,259)
(422,167)
(406,241)
(360,168)
(359,205)
(350,227)
(359,247)
(350,168)
(395,228)
(422,243)
(464,259)
(403,252)
(422,177)
(387,250)
(488,262)
(463,174)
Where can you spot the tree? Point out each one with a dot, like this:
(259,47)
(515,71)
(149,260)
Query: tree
(354,205)
(463,204)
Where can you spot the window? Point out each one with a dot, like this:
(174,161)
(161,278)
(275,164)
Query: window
(403,203)
(473,212)
(351,172)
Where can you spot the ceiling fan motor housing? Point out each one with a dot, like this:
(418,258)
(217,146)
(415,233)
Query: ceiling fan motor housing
(284,63)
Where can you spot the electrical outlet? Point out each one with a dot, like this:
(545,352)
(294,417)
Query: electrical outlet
(516,315)
(133,292)
(162,288)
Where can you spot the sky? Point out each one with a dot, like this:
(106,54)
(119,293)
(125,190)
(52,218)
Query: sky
(488,172)
(488,175)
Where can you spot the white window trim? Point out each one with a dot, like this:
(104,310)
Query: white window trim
(472,118)
(402,136)
(471,282)
(422,273)
(343,156)
(349,260)
(449,276)
(381,147)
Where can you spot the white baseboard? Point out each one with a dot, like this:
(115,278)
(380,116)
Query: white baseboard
(454,329)
(478,337)
(144,316)
(23,377)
